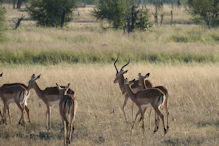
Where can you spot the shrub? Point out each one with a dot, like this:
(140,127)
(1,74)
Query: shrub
(2,21)
(207,10)
(49,12)
(122,14)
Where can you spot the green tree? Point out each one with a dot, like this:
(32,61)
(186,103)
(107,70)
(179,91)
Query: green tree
(207,10)
(51,12)
(122,14)
(2,21)
(112,10)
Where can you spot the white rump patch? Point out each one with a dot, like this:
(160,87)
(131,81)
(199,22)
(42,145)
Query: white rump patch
(145,105)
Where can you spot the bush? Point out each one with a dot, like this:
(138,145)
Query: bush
(112,10)
(143,20)
(122,14)
(2,21)
(49,12)
(207,10)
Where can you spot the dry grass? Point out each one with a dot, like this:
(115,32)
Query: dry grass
(193,105)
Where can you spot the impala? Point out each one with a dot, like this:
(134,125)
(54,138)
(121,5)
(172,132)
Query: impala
(68,106)
(18,93)
(120,80)
(145,98)
(146,84)
(50,96)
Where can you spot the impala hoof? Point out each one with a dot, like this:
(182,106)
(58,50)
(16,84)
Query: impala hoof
(67,140)
(156,129)
(165,131)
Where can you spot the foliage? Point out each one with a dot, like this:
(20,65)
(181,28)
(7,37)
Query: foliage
(143,20)
(49,12)
(122,14)
(207,10)
(112,10)
(2,21)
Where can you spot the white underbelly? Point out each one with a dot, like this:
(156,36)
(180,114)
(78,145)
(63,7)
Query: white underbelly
(54,102)
(145,105)
(135,90)
(10,100)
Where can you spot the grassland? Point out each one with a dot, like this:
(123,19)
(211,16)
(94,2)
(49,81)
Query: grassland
(193,105)
(84,41)
(183,57)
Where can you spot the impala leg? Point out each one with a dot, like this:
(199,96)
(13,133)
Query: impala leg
(22,113)
(149,119)
(156,123)
(48,118)
(135,118)
(161,116)
(166,109)
(142,115)
(9,114)
(64,133)
(67,128)
(1,114)
(132,110)
(143,112)
(4,114)
(62,129)
(123,107)
(27,111)
(71,127)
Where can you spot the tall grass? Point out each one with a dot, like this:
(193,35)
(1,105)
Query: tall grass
(193,105)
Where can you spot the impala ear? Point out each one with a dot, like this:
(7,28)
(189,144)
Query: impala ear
(68,86)
(37,77)
(132,80)
(147,75)
(57,86)
(124,72)
(33,76)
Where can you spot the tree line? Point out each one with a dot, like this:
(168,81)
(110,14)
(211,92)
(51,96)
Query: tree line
(128,15)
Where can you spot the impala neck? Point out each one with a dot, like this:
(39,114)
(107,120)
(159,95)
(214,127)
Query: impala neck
(37,89)
(129,92)
(121,84)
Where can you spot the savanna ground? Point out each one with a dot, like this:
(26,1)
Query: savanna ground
(182,57)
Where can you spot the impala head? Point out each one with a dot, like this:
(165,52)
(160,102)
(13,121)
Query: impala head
(33,80)
(141,78)
(119,74)
(63,90)
(1,74)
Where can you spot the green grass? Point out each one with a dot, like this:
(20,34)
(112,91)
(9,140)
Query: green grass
(66,56)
